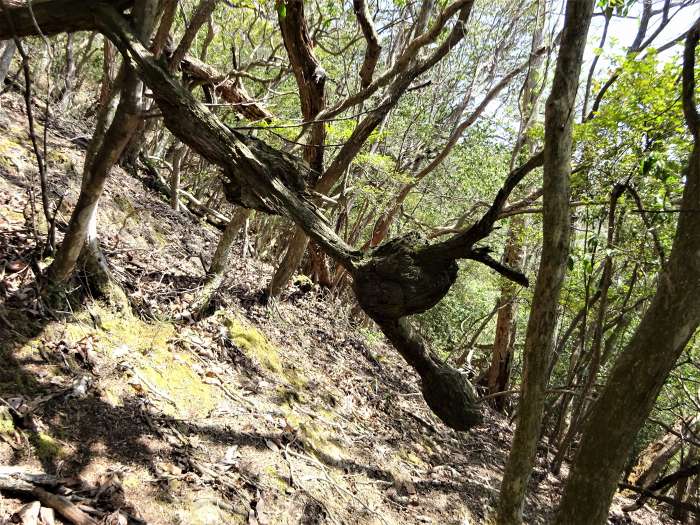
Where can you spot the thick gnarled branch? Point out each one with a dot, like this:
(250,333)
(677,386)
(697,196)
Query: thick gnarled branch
(393,281)
(224,86)
(53,16)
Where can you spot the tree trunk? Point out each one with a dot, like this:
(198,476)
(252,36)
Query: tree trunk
(657,454)
(498,375)
(290,262)
(682,492)
(103,152)
(643,366)
(694,495)
(219,263)
(595,354)
(179,153)
(311,80)
(94,178)
(7,51)
(555,250)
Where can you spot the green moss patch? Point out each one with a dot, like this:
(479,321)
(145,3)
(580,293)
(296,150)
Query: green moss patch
(45,447)
(314,436)
(167,374)
(253,343)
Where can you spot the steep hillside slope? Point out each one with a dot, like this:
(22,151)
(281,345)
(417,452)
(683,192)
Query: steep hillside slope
(253,415)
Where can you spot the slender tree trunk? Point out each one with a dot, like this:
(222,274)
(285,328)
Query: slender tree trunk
(290,262)
(596,352)
(94,178)
(108,60)
(694,495)
(643,366)
(65,93)
(179,153)
(682,494)
(102,155)
(498,375)
(220,262)
(7,51)
(555,250)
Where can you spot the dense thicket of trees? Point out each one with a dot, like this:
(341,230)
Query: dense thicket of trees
(425,161)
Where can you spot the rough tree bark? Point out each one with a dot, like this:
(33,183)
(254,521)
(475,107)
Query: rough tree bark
(640,371)
(311,81)
(555,250)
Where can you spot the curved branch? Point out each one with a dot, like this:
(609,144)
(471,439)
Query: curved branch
(460,245)
(373,48)
(200,16)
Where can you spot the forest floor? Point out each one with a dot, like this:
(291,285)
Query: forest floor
(254,415)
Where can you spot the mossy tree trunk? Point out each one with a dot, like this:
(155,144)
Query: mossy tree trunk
(555,249)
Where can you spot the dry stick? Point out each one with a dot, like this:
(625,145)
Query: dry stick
(63,506)
(17,480)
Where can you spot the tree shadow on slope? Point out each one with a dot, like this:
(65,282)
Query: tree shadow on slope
(91,428)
